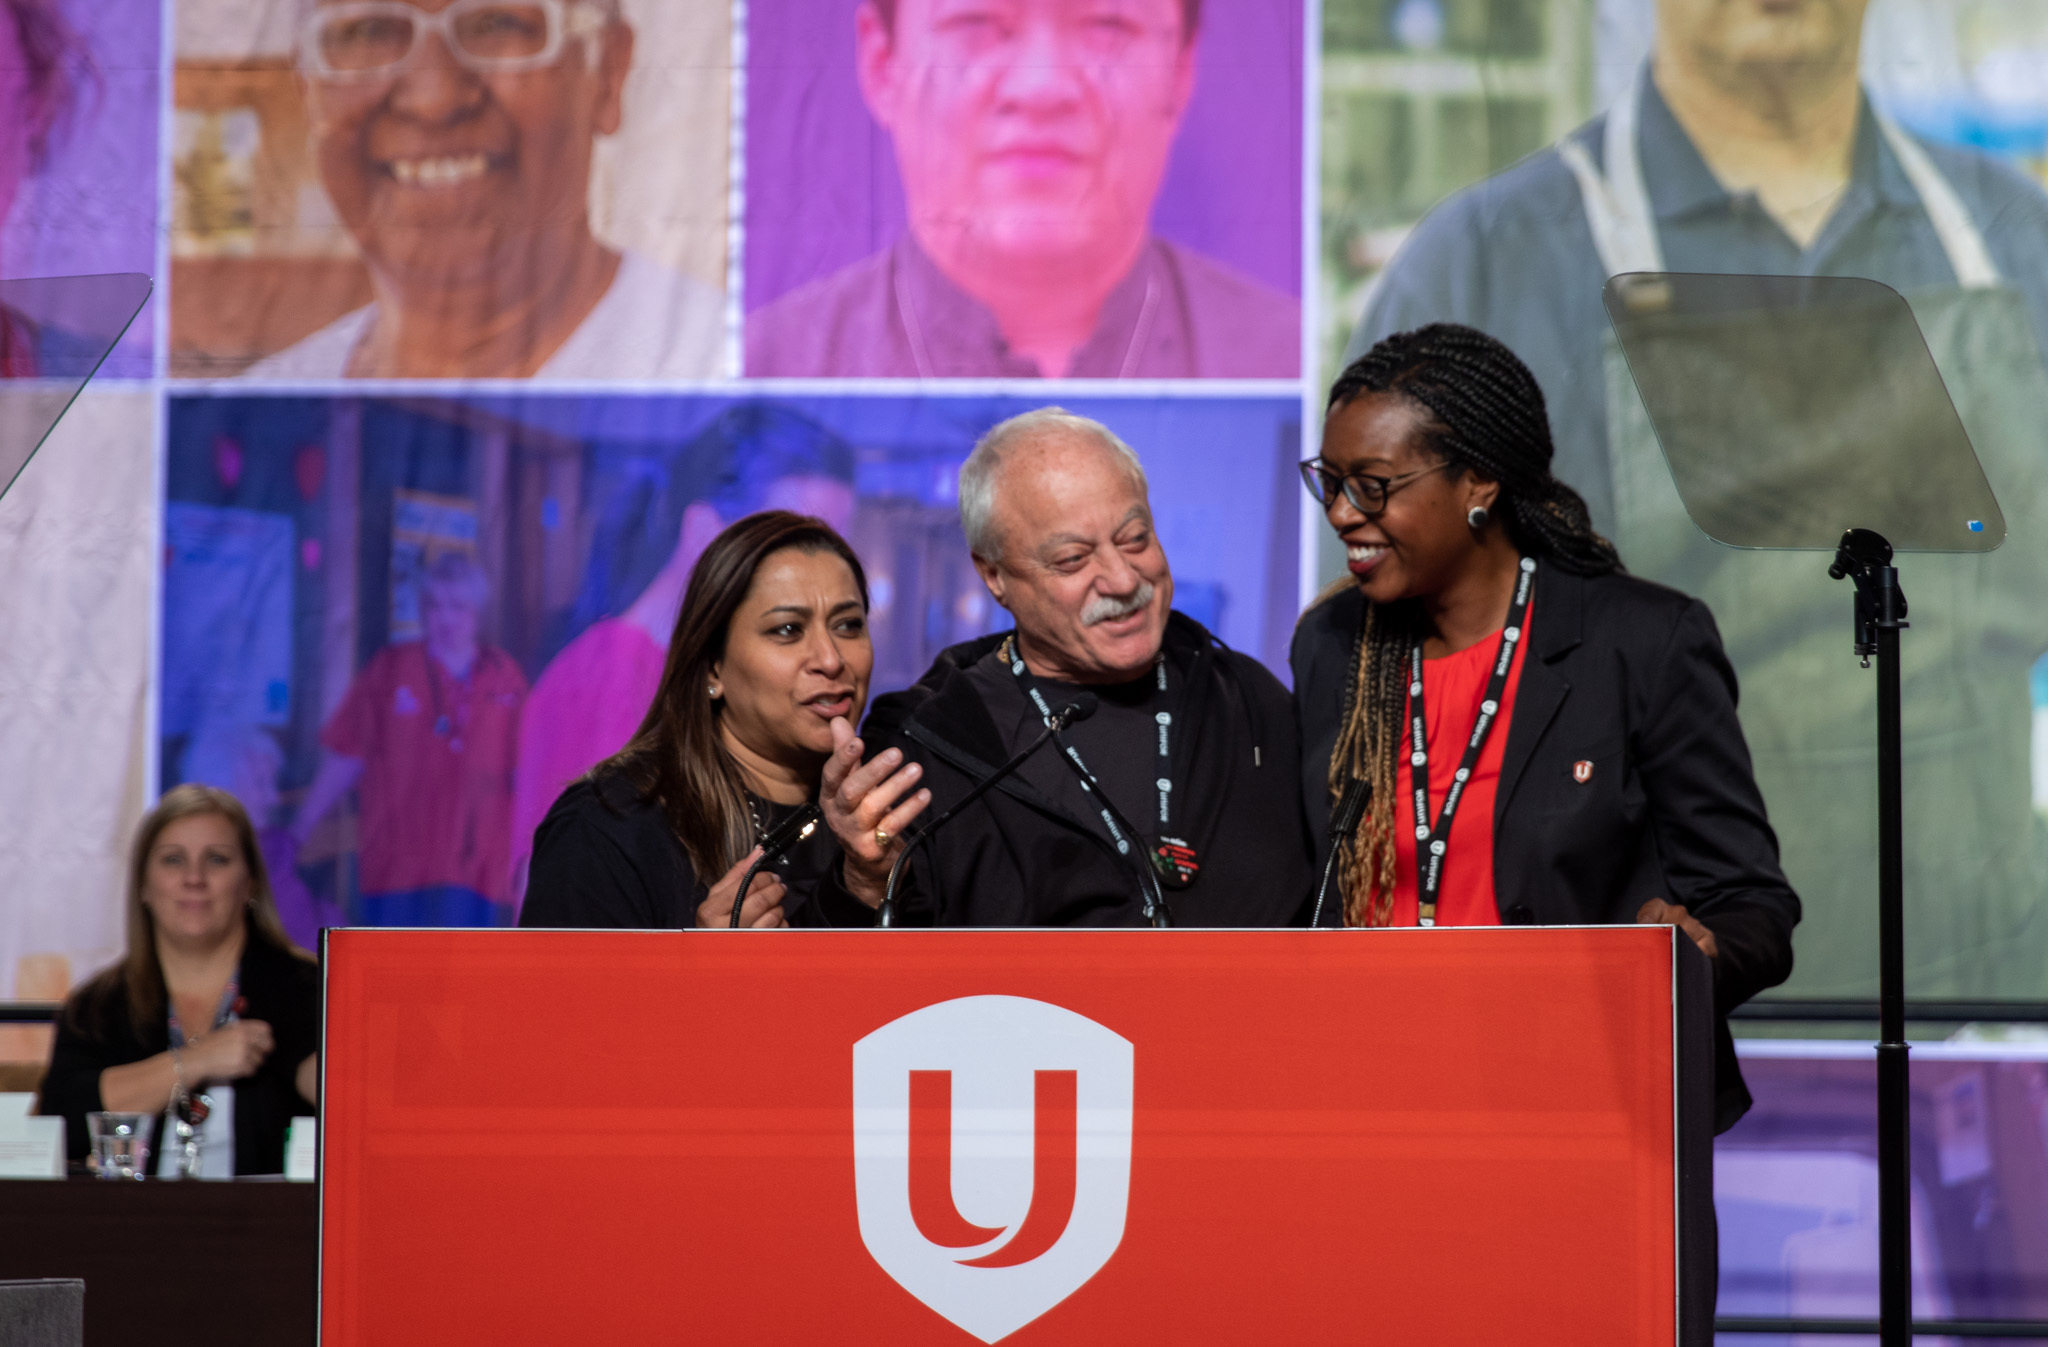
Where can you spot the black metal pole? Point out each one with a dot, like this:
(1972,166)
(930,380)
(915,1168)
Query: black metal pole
(1894,1163)
(1866,557)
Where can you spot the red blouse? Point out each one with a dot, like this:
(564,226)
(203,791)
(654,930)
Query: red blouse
(1453,687)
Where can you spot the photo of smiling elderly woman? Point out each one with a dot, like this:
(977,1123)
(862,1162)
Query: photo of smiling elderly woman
(439,189)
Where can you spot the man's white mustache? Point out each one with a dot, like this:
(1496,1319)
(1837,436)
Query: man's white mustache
(1103,608)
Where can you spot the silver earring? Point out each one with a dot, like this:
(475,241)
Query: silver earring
(1477,517)
(715,691)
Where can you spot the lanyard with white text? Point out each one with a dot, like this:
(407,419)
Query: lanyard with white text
(1173,859)
(1431,844)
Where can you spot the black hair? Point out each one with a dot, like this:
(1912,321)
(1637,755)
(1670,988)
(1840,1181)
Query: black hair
(1486,415)
(678,758)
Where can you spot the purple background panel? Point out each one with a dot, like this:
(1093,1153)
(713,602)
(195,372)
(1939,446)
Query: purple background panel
(93,207)
(822,189)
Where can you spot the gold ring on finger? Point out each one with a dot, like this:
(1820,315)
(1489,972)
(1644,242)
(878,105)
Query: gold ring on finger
(881,837)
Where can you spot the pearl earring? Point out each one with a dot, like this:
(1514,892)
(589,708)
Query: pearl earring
(716,692)
(1477,517)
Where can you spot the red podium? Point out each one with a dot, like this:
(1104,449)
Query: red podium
(1073,1137)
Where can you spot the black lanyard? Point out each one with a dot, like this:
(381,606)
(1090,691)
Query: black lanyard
(1172,858)
(1432,844)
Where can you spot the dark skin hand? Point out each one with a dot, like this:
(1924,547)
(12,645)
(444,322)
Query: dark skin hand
(1657,912)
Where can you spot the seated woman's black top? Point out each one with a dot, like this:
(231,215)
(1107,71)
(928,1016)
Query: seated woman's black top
(605,858)
(281,987)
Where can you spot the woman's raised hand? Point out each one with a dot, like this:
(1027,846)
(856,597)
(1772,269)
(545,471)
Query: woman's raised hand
(764,898)
(868,806)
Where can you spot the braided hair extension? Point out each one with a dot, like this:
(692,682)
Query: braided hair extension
(1486,415)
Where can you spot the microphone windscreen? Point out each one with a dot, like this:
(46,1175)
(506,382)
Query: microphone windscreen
(1350,807)
(790,831)
(1080,708)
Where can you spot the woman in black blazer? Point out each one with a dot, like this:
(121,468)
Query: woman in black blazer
(1611,783)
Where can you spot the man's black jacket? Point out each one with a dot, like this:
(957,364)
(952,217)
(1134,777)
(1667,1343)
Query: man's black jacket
(1020,857)
(1630,677)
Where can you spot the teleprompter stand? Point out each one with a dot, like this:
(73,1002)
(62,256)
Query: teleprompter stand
(1805,413)
(1866,558)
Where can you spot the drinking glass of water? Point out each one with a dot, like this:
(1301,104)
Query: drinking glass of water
(120,1143)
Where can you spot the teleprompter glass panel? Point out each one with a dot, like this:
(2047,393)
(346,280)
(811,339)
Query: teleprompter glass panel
(54,332)
(1790,408)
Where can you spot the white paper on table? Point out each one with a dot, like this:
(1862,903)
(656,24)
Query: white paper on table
(31,1148)
(302,1150)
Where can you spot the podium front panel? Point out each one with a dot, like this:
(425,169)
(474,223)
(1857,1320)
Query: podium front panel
(1074,1137)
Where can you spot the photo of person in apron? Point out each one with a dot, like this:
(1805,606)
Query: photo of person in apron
(1965,240)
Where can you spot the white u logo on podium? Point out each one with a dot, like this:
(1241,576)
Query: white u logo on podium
(992,1155)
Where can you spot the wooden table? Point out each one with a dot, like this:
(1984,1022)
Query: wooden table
(210,1264)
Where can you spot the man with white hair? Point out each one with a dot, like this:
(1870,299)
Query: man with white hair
(1191,743)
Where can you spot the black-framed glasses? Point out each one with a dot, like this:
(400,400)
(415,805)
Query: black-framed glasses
(1366,491)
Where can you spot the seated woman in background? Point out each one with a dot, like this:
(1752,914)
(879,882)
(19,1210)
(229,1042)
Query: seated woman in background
(211,998)
(1629,800)
(766,674)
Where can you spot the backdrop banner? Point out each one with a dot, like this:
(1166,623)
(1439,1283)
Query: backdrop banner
(474,320)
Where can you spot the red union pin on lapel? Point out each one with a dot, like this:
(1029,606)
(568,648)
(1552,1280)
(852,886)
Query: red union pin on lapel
(1582,771)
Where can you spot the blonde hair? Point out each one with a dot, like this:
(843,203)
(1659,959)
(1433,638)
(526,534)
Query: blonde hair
(1368,740)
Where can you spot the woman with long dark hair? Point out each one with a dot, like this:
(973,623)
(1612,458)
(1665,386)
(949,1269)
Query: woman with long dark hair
(211,1002)
(766,673)
(1489,644)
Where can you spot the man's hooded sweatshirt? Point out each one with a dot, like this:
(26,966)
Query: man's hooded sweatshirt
(1035,851)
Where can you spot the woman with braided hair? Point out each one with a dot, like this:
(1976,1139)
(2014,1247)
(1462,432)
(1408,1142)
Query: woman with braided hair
(1579,722)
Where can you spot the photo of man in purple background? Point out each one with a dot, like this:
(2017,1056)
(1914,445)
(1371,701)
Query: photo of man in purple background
(1032,137)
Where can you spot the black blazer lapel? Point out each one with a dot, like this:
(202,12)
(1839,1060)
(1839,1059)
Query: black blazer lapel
(1537,701)
(1557,626)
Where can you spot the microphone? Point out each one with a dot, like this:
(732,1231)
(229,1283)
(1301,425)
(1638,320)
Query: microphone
(1351,803)
(1150,895)
(1079,709)
(785,835)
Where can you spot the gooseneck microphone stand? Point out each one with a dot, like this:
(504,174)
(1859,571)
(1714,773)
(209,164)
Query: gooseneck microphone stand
(793,829)
(1866,558)
(1344,819)
(1079,709)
